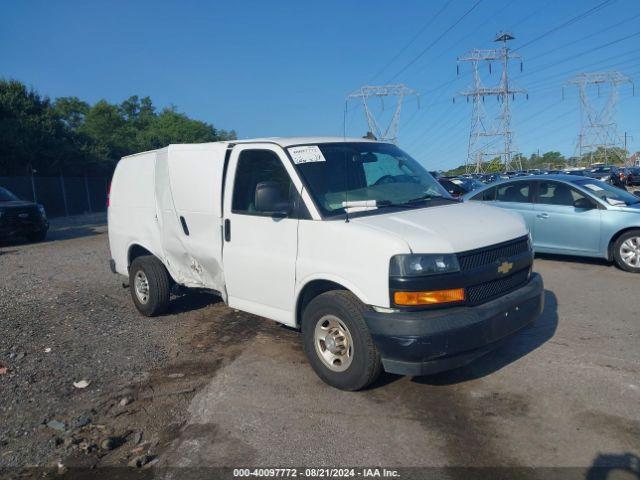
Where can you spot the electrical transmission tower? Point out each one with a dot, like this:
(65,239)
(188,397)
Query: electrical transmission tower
(367,93)
(491,137)
(598,129)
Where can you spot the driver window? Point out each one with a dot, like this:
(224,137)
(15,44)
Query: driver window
(553,193)
(255,166)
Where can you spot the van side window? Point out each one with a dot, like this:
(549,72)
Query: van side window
(255,166)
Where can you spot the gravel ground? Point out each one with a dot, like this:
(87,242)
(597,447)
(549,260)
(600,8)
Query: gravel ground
(66,318)
(209,386)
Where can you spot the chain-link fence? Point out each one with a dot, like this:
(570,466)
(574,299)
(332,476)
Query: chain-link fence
(61,196)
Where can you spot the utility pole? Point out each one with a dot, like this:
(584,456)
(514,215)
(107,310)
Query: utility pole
(368,92)
(598,128)
(482,129)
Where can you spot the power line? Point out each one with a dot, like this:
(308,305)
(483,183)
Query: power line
(440,37)
(571,21)
(413,39)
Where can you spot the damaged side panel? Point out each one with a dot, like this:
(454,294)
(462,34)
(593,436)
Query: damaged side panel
(189,213)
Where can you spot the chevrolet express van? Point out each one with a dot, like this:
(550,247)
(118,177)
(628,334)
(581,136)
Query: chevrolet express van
(351,241)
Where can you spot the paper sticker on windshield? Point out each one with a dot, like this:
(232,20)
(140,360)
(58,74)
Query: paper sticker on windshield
(593,187)
(306,154)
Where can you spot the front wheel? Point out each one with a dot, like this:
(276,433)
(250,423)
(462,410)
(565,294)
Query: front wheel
(149,285)
(338,343)
(626,251)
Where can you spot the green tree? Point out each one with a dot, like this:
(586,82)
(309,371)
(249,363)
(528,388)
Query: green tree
(72,111)
(71,136)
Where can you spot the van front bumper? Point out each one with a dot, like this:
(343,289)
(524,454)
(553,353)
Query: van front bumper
(432,341)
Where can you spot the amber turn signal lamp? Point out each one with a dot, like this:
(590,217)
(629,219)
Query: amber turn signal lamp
(428,298)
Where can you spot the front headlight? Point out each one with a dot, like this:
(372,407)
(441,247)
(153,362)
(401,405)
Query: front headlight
(43,214)
(426,264)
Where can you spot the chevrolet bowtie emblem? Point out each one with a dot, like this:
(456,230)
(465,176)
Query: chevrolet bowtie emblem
(505,267)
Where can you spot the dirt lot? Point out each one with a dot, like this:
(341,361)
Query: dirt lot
(208,386)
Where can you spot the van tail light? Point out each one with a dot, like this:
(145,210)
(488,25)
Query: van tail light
(108,194)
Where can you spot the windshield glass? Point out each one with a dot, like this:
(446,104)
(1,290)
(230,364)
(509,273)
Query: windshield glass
(6,195)
(610,194)
(365,176)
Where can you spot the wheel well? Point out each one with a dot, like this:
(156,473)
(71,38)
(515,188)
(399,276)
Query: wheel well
(615,237)
(136,251)
(310,291)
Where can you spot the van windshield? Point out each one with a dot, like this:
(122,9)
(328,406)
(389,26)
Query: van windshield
(365,176)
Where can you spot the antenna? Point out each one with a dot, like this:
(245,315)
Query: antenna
(483,128)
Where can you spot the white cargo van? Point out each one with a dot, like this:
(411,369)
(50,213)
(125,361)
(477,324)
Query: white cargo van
(349,240)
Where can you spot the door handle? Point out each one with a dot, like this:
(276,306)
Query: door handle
(543,215)
(183,222)
(227,230)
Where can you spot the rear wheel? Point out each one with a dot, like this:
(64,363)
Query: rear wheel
(626,251)
(338,343)
(149,285)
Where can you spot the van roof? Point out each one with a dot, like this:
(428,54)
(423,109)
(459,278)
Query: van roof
(281,141)
(288,141)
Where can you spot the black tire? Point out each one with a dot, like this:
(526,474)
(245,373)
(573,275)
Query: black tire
(365,366)
(157,298)
(617,254)
(38,236)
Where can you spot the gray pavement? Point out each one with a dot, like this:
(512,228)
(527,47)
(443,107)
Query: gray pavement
(563,393)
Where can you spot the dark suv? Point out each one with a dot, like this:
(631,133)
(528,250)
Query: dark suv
(607,173)
(20,218)
(633,176)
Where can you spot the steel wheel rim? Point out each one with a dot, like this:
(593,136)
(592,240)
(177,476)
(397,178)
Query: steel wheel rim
(630,252)
(333,343)
(141,286)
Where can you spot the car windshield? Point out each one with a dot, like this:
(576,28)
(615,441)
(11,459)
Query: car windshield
(610,194)
(6,195)
(365,176)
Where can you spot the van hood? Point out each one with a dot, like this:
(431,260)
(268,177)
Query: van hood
(449,228)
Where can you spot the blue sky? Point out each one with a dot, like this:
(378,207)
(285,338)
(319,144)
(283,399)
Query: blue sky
(284,68)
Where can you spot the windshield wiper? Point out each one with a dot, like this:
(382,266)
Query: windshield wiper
(425,198)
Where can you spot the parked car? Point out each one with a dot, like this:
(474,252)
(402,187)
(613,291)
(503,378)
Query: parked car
(457,186)
(578,172)
(493,177)
(633,176)
(573,215)
(351,241)
(607,173)
(21,218)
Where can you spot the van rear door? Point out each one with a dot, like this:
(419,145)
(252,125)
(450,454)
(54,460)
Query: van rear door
(259,251)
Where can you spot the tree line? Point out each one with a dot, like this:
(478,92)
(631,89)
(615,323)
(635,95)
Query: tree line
(553,161)
(69,136)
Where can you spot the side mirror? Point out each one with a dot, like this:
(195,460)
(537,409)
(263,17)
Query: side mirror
(268,199)
(584,204)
